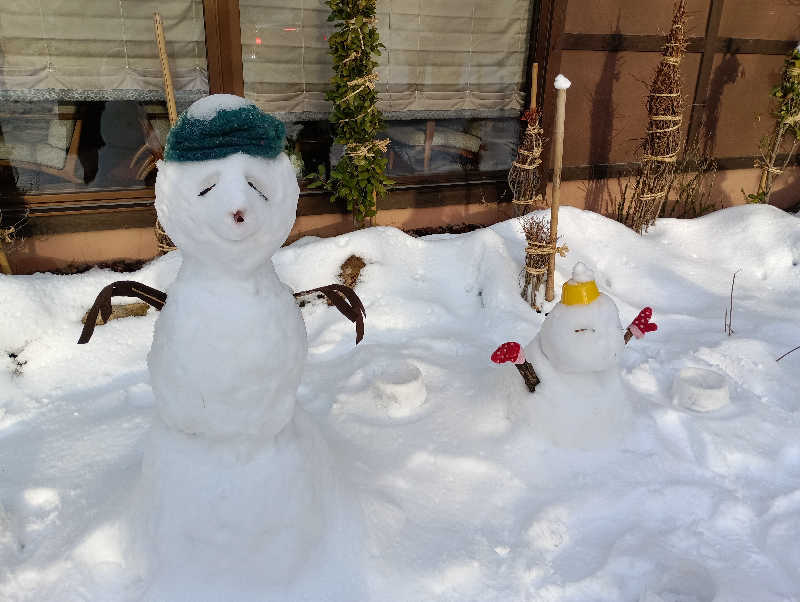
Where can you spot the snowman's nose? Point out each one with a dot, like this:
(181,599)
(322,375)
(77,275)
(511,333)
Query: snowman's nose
(238,216)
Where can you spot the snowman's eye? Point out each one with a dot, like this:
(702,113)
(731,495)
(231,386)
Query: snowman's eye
(253,186)
(205,190)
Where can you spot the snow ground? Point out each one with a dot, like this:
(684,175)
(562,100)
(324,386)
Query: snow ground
(460,503)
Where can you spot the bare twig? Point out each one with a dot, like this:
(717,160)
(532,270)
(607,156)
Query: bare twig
(662,141)
(787,118)
(787,353)
(729,312)
(537,237)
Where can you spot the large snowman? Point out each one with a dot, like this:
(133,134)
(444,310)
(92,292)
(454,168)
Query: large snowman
(572,367)
(238,498)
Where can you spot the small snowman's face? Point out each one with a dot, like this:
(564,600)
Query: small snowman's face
(233,212)
(583,338)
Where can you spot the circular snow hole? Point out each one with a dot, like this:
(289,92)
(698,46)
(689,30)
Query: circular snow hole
(401,389)
(700,390)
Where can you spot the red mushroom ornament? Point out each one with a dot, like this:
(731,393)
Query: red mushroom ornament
(513,352)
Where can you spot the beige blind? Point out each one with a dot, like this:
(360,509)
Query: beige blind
(441,55)
(97,45)
(285,54)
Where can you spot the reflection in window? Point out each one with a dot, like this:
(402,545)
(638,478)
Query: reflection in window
(68,147)
(451,145)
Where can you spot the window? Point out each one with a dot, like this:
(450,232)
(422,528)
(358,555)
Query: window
(80,90)
(449,80)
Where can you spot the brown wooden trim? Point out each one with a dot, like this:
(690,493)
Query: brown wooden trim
(84,221)
(224,47)
(615,170)
(704,72)
(746,46)
(94,195)
(449,189)
(616,42)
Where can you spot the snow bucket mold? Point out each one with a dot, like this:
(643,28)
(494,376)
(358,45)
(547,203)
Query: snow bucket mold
(700,390)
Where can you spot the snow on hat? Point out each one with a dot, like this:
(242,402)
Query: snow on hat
(581,289)
(223,124)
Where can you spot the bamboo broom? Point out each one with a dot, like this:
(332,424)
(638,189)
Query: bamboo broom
(165,245)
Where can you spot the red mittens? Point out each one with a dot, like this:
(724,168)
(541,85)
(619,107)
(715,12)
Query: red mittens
(509,352)
(641,325)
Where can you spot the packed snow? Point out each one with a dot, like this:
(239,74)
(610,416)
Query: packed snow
(459,497)
(208,107)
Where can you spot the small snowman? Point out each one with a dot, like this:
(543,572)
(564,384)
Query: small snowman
(572,366)
(238,495)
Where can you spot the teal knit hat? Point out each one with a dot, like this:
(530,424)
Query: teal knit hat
(220,125)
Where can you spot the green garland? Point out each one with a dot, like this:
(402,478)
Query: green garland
(359,177)
(787,120)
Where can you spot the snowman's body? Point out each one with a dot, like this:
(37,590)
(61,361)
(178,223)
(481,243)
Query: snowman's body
(237,494)
(581,401)
(225,344)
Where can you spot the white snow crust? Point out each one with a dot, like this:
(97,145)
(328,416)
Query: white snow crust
(462,499)
(581,273)
(207,107)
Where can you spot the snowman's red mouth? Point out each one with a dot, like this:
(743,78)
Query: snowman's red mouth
(238,217)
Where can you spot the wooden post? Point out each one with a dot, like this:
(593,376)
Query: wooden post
(561,84)
(5,267)
(534,82)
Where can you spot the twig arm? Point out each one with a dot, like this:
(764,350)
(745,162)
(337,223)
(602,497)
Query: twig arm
(346,301)
(121,288)
(512,352)
(342,297)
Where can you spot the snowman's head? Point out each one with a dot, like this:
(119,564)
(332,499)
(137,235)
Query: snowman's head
(582,333)
(225,192)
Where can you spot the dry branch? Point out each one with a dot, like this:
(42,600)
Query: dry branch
(662,141)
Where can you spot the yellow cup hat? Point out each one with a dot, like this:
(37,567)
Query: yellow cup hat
(581,289)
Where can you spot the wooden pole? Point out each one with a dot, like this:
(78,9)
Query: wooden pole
(5,237)
(164,242)
(169,90)
(561,83)
(534,84)
(5,267)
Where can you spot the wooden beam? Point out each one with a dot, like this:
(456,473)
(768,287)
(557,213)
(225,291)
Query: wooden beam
(701,90)
(746,46)
(616,42)
(224,47)
(409,191)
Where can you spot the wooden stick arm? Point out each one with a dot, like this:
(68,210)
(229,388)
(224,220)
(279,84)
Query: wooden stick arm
(341,297)
(513,352)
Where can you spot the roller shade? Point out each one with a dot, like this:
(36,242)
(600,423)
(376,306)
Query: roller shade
(92,46)
(441,55)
